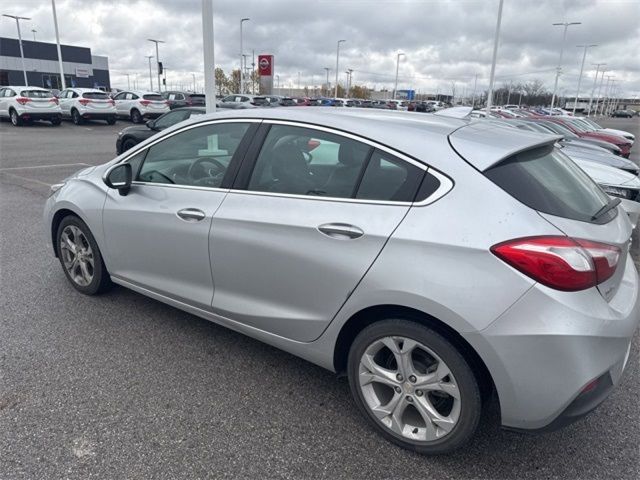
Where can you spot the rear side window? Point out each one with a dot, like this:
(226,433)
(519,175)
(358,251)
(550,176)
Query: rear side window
(153,97)
(547,180)
(389,178)
(36,94)
(95,95)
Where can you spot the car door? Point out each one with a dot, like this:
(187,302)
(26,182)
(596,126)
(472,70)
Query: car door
(4,111)
(65,101)
(121,104)
(292,239)
(157,236)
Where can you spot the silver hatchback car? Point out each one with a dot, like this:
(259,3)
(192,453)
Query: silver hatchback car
(431,260)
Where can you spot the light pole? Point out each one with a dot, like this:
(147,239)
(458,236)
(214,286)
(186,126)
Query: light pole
(298,82)
(593,89)
(600,90)
(55,24)
(34,31)
(559,68)
(473,95)
(337,66)
(327,69)
(242,20)
(349,73)
(209,60)
(278,83)
(395,89)
(149,57)
(193,75)
(495,56)
(158,61)
(128,82)
(17,19)
(584,55)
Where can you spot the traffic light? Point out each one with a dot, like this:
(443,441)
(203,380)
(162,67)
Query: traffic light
(159,68)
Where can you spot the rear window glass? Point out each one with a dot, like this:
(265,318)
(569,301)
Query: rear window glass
(95,95)
(154,97)
(36,94)
(197,97)
(547,180)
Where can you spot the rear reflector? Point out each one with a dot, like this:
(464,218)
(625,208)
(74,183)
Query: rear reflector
(562,263)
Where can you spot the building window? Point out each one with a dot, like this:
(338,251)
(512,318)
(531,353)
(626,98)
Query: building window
(4,78)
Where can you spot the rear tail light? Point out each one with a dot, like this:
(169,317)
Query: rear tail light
(84,101)
(562,263)
(23,100)
(54,100)
(144,103)
(166,102)
(112,102)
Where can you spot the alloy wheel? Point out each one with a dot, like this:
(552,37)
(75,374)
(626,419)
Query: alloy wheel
(409,389)
(14,118)
(77,255)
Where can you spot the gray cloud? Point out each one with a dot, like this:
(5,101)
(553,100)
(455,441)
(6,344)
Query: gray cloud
(444,41)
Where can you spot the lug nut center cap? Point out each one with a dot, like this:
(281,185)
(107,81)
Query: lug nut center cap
(408,387)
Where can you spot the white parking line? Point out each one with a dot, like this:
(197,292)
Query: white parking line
(27,179)
(46,166)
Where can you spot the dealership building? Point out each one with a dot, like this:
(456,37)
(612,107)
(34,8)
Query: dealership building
(81,68)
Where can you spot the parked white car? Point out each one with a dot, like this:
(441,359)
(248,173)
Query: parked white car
(140,105)
(80,104)
(25,104)
(400,104)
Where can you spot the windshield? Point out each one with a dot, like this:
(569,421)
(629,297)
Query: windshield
(560,130)
(548,181)
(36,94)
(95,95)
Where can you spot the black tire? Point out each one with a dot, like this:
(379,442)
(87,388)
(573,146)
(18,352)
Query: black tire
(128,143)
(56,121)
(101,281)
(111,121)
(136,117)
(75,117)
(470,397)
(15,118)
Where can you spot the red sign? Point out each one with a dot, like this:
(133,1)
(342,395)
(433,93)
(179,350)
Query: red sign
(265,65)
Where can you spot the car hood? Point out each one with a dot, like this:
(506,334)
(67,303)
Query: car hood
(606,175)
(620,133)
(135,129)
(606,158)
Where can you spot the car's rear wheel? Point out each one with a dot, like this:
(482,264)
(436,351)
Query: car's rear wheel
(414,386)
(15,118)
(136,117)
(56,121)
(75,117)
(80,257)
(111,121)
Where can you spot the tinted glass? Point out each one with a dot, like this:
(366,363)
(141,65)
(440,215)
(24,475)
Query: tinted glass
(303,161)
(36,94)
(172,118)
(198,157)
(197,98)
(548,181)
(95,95)
(153,97)
(389,179)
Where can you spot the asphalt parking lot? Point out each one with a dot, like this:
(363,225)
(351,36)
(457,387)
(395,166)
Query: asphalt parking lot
(122,386)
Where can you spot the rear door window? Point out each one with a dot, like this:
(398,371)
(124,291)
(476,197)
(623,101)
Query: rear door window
(547,180)
(388,178)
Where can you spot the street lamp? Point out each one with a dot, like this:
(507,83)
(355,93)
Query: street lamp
(209,61)
(242,20)
(495,56)
(157,60)
(58,48)
(584,55)
(34,31)
(337,66)
(17,19)
(327,69)
(395,90)
(278,83)
(598,98)
(149,57)
(593,89)
(559,68)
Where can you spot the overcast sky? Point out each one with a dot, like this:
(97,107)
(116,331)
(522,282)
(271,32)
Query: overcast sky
(444,41)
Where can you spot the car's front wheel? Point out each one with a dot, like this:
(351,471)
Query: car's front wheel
(75,117)
(414,386)
(80,257)
(136,117)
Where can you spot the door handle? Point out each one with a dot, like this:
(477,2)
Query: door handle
(191,214)
(342,231)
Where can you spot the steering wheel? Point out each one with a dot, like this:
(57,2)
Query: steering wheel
(208,173)
(150,173)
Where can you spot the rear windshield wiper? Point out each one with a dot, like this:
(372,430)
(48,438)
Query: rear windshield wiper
(613,203)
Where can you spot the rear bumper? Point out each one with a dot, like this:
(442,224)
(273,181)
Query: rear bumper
(549,346)
(98,116)
(40,115)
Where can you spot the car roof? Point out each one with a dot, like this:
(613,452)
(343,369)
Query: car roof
(84,90)
(25,86)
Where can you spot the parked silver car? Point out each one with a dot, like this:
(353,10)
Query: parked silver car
(430,259)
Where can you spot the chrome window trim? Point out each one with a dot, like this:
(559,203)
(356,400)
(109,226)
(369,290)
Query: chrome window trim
(446,184)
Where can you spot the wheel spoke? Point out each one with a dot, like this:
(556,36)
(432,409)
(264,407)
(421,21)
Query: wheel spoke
(397,425)
(84,271)
(431,416)
(67,242)
(376,373)
(402,349)
(383,411)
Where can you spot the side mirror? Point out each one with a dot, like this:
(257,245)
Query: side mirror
(151,124)
(119,177)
